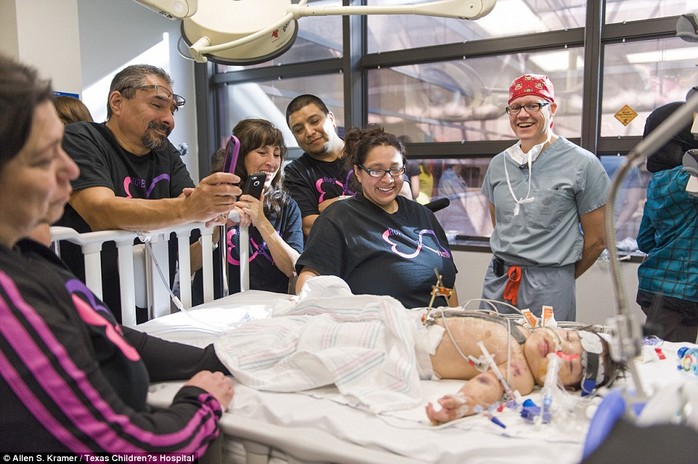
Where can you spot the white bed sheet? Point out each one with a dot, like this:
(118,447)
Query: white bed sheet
(316,426)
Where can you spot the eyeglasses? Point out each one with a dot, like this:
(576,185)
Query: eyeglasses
(378,173)
(161,91)
(531,108)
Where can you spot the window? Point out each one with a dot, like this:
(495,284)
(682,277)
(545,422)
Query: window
(459,180)
(508,18)
(443,83)
(464,100)
(618,11)
(268,100)
(630,201)
(644,75)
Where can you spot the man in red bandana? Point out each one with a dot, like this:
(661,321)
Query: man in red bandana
(541,190)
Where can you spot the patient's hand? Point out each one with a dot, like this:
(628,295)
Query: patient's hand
(217,384)
(452,407)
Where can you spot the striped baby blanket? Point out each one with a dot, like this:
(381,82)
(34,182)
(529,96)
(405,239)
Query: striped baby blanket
(362,344)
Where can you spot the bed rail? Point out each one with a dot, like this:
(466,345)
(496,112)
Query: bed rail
(139,277)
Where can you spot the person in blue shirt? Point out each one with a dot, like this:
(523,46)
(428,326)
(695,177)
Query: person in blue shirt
(668,277)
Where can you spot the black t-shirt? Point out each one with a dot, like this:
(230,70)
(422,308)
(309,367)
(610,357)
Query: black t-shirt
(74,380)
(103,163)
(379,253)
(310,182)
(264,275)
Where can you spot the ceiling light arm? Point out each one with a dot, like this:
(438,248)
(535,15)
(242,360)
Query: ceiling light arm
(203,46)
(458,9)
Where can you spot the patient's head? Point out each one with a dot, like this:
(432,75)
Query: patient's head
(586,361)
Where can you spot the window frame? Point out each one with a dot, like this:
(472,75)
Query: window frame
(356,62)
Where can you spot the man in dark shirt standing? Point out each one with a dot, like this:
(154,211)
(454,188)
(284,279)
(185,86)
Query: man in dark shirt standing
(319,177)
(131,176)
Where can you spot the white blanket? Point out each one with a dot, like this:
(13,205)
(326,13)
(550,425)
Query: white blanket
(363,344)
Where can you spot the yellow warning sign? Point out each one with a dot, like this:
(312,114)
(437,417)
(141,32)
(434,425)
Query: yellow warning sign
(625,115)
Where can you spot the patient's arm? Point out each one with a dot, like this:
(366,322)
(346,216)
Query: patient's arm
(476,395)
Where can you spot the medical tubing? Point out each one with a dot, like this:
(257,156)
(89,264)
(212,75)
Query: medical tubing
(453,339)
(177,302)
(507,388)
(521,200)
(493,304)
(550,383)
(468,358)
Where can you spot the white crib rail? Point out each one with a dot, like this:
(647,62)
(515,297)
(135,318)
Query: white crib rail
(141,274)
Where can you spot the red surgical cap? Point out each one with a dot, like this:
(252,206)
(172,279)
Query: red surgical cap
(532,84)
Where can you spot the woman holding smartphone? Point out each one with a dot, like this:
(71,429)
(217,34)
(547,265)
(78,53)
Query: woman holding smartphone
(273,217)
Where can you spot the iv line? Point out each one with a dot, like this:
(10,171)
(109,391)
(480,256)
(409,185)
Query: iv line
(177,302)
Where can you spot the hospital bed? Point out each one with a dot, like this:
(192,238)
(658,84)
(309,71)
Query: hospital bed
(320,425)
(143,261)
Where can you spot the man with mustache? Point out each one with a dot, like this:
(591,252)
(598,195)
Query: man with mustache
(131,176)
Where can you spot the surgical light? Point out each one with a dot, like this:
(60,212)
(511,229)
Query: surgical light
(252,31)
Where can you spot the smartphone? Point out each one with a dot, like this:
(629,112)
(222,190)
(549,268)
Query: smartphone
(255,184)
(232,150)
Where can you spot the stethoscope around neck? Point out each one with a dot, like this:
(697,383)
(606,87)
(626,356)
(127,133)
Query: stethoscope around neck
(536,149)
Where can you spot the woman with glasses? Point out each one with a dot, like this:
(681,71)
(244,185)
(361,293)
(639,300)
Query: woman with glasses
(72,380)
(378,241)
(541,190)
